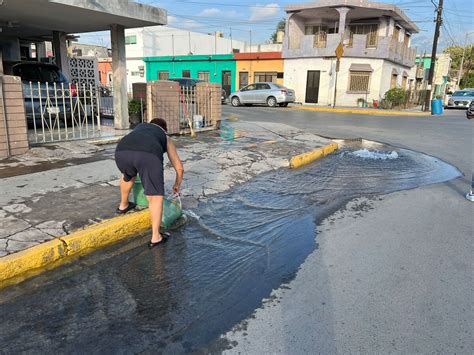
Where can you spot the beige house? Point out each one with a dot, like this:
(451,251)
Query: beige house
(377,53)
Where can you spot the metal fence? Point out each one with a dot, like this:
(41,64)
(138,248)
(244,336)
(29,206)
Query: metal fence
(58,112)
(195,108)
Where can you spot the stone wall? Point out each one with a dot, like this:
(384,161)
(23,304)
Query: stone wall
(13,130)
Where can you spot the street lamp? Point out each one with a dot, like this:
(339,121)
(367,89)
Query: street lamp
(462,59)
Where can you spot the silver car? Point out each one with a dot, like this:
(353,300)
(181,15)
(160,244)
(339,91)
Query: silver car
(271,94)
(461,98)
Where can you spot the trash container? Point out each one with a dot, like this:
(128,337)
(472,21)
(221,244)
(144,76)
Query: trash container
(227,131)
(437,107)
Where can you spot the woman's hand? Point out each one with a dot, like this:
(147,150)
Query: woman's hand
(176,188)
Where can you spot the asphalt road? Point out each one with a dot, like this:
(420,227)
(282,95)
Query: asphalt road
(392,275)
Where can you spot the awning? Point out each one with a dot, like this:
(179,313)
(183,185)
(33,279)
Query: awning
(37,18)
(405,74)
(361,67)
(394,71)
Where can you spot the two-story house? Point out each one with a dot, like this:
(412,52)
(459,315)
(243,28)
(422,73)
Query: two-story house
(376,41)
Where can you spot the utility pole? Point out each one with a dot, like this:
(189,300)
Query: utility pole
(462,59)
(231,44)
(439,21)
(250,37)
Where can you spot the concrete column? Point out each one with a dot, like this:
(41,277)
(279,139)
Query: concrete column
(342,20)
(119,77)
(1,61)
(60,52)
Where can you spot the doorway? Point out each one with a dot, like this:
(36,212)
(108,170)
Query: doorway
(243,79)
(312,86)
(227,82)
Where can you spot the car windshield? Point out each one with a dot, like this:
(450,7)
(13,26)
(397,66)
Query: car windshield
(39,73)
(464,93)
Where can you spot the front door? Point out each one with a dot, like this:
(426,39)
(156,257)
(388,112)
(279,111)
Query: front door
(226,81)
(243,79)
(312,86)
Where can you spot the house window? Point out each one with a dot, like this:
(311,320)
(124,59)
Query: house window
(313,29)
(404,82)
(135,73)
(370,31)
(186,73)
(265,77)
(320,35)
(204,75)
(393,81)
(163,75)
(359,82)
(131,39)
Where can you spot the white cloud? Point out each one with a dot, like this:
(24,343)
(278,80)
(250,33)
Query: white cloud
(213,12)
(261,12)
(209,12)
(182,23)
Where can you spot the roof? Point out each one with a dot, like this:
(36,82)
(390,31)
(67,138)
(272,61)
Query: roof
(190,58)
(33,19)
(385,9)
(258,56)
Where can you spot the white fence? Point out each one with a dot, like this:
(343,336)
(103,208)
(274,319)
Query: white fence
(58,112)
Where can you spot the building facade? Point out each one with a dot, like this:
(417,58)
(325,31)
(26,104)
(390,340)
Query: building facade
(258,67)
(220,68)
(441,79)
(376,56)
(159,41)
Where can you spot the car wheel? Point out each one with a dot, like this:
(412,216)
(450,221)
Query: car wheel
(283,104)
(235,101)
(271,101)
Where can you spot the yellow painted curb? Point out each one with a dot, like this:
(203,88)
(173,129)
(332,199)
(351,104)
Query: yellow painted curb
(361,112)
(300,160)
(19,266)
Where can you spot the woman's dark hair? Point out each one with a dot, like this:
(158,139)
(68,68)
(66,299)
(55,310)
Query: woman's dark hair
(160,122)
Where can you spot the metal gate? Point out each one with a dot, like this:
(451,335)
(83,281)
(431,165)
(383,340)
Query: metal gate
(59,111)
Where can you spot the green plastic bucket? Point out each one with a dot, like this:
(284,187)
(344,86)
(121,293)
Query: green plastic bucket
(227,131)
(139,194)
(172,208)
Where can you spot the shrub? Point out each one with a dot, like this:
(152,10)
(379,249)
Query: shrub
(395,97)
(134,106)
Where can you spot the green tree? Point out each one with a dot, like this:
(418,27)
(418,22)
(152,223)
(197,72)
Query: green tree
(280,27)
(456,56)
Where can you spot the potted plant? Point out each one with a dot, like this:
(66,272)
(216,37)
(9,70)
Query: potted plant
(360,102)
(134,112)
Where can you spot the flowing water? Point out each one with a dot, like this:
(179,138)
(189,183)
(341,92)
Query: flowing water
(213,272)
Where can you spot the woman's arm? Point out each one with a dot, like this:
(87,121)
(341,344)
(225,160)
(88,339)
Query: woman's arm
(176,163)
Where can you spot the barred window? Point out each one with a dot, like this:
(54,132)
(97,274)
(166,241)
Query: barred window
(265,77)
(204,75)
(369,30)
(163,75)
(359,82)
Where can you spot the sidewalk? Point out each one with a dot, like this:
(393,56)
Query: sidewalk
(363,111)
(56,189)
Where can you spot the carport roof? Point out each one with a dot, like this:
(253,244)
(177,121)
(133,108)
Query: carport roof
(34,19)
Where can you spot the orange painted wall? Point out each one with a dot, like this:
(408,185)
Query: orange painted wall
(104,67)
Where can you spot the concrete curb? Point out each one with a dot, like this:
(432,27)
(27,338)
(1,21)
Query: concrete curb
(362,112)
(300,160)
(17,267)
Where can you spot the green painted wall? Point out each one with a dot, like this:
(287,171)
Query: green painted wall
(214,64)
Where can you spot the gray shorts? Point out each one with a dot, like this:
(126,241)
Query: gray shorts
(147,165)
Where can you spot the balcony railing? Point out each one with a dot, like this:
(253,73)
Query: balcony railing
(363,46)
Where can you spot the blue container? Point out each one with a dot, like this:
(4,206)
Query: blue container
(437,107)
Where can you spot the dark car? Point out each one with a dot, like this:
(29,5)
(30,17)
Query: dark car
(470,111)
(46,91)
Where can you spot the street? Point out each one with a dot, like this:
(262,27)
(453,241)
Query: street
(386,270)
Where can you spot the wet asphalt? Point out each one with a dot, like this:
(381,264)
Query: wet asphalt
(213,273)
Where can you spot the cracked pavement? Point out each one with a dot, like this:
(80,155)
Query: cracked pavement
(53,190)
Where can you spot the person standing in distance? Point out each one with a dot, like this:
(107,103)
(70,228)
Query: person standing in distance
(141,152)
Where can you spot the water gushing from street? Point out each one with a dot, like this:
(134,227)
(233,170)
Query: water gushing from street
(213,272)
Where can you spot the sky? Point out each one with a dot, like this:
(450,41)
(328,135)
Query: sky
(260,17)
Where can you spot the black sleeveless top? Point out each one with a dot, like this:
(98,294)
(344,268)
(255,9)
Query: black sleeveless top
(146,137)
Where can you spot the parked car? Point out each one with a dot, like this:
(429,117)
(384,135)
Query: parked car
(271,94)
(470,111)
(461,98)
(38,82)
